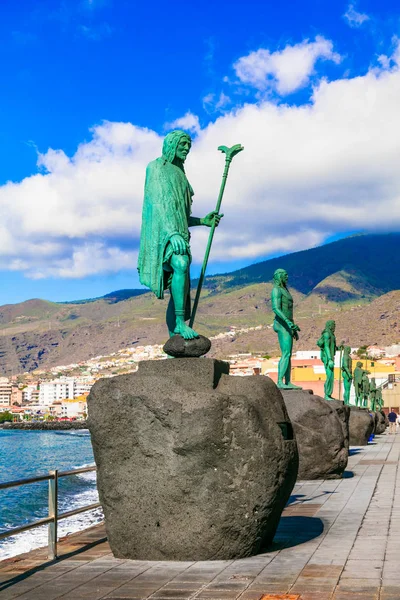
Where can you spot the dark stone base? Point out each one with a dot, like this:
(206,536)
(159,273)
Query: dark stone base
(178,347)
(193,464)
(380,424)
(321,433)
(343,412)
(362,425)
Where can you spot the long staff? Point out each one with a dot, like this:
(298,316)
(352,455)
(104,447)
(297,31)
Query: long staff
(229,154)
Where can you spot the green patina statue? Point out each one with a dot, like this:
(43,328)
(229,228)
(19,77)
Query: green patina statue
(358,386)
(372,394)
(327,343)
(379,398)
(164,254)
(284,326)
(365,388)
(347,373)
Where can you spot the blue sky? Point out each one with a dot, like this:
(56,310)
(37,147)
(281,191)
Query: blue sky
(131,69)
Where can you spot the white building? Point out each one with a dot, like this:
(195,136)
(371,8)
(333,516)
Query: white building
(62,388)
(29,393)
(5,391)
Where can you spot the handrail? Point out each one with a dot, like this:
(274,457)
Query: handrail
(52,520)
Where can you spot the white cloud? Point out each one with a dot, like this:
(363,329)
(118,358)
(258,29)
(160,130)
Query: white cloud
(306,172)
(392,61)
(285,70)
(189,122)
(89,259)
(355,18)
(213,103)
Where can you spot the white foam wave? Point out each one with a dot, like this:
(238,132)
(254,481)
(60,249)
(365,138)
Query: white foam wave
(37,538)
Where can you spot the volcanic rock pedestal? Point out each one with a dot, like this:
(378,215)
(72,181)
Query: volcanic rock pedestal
(343,412)
(380,424)
(193,464)
(320,434)
(362,425)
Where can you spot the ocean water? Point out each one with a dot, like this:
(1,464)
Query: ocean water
(29,453)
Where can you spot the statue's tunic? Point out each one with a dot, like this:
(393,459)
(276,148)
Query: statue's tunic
(166,210)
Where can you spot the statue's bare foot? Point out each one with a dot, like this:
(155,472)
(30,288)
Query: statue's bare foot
(185,331)
(288,386)
(291,386)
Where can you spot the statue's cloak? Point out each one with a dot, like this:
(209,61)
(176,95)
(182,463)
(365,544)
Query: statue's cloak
(166,210)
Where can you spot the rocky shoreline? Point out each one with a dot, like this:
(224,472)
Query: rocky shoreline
(45,425)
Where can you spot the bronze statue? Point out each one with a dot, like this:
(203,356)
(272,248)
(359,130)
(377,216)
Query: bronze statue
(327,343)
(358,388)
(372,394)
(347,373)
(365,388)
(284,326)
(164,255)
(379,398)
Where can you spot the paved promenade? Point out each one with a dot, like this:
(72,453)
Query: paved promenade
(337,540)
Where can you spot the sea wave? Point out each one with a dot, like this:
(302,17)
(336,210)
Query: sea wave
(38,537)
(69,498)
(75,432)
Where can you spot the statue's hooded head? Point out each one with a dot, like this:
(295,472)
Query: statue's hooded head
(172,140)
(280,277)
(359,364)
(347,349)
(330,325)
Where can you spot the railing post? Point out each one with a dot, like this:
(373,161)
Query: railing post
(53,512)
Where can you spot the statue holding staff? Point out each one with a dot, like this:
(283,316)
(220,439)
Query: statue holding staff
(284,326)
(164,254)
(347,373)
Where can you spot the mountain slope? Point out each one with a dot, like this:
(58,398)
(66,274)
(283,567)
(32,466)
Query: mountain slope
(333,281)
(376,258)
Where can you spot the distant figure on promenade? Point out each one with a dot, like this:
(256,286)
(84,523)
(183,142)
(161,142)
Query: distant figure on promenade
(285,327)
(392,416)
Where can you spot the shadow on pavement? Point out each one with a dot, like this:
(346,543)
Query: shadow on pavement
(293,531)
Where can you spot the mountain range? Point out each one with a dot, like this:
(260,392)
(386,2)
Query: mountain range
(355,280)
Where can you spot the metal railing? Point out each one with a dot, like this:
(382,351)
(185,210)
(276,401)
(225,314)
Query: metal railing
(54,515)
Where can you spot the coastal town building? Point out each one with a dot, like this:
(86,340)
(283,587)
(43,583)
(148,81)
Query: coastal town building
(30,393)
(5,391)
(62,388)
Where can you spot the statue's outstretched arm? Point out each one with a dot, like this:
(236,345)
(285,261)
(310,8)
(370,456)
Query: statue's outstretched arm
(208,220)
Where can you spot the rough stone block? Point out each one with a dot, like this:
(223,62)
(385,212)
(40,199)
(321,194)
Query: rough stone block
(380,424)
(343,412)
(361,424)
(320,434)
(193,464)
